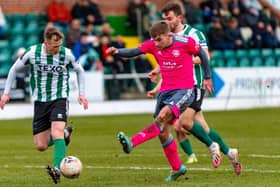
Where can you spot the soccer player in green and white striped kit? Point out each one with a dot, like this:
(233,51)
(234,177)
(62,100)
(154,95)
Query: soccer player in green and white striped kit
(49,64)
(172,13)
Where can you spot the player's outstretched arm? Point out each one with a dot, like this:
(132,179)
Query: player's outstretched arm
(18,65)
(112,51)
(124,52)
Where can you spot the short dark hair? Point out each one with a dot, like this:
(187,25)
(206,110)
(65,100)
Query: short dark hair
(172,6)
(53,31)
(158,28)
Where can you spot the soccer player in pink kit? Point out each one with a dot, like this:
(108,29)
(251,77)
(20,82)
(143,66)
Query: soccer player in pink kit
(174,56)
(172,13)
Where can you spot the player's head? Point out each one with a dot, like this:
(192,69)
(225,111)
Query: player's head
(172,13)
(160,33)
(53,39)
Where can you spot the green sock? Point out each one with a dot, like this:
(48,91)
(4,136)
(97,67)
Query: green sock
(199,132)
(186,146)
(51,140)
(59,152)
(215,136)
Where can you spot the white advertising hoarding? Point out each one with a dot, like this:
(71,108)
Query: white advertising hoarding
(247,82)
(94,87)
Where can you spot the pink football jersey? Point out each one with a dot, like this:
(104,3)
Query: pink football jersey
(175,62)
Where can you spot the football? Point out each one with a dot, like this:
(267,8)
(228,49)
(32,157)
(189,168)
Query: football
(71,167)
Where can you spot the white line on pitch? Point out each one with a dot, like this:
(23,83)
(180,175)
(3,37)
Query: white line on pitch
(141,155)
(153,168)
(207,155)
(191,169)
(264,156)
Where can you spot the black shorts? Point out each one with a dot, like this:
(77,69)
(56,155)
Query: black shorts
(46,112)
(198,98)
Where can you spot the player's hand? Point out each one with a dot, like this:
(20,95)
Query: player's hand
(153,76)
(112,51)
(152,93)
(208,85)
(4,99)
(83,101)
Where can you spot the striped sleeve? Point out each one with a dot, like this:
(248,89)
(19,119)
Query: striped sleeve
(18,65)
(200,38)
(80,73)
(25,57)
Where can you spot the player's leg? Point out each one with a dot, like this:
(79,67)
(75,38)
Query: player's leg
(171,153)
(42,132)
(144,135)
(182,134)
(41,140)
(147,133)
(57,132)
(214,135)
(41,126)
(58,118)
(231,153)
(199,117)
(185,143)
(67,134)
(162,114)
(186,121)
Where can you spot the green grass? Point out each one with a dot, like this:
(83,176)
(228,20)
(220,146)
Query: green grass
(94,141)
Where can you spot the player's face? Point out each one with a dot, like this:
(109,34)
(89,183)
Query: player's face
(172,20)
(53,46)
(162,41)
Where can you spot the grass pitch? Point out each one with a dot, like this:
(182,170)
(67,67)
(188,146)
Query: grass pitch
(254,132)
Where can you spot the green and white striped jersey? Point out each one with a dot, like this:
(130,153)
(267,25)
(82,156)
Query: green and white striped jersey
(49,74)
(199,37)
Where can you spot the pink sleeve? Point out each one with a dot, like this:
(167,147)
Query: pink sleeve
(147,47)
(193,47)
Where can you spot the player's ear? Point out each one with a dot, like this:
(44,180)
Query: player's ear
(180,17)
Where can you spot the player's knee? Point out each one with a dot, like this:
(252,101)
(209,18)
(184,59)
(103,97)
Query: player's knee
(180,135)
(186,125)
(41,146)
(159,119)
(163,137)
(58,134)
(165,115)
